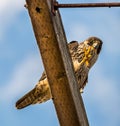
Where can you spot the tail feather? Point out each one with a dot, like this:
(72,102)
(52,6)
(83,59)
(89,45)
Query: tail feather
(33,97)
(41,93)
(26,100)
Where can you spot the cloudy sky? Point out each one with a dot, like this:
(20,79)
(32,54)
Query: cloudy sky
(21,65)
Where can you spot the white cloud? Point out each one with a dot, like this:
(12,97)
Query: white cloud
(23,78)
(9,9)
(10,5)
(78,32)
(103,94)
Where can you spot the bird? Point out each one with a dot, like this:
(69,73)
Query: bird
(83,55)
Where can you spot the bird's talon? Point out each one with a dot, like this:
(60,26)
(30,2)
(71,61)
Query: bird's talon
(81,90)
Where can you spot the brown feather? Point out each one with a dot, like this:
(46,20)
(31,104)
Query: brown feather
(26,100)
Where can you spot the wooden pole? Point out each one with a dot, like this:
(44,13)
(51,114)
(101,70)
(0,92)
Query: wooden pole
(52,43)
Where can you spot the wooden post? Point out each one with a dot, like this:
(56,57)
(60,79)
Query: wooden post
(52,43)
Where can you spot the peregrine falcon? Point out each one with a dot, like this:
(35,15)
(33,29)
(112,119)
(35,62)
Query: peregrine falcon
(83,55)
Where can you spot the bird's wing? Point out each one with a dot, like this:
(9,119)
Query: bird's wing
(73,45)
(77,55)
(84,84)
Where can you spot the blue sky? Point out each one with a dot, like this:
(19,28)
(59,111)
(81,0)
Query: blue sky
(21,65)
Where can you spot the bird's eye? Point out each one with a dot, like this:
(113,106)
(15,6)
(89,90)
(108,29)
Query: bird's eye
(90,43)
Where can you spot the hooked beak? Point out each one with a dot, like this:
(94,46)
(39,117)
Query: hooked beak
(99,46)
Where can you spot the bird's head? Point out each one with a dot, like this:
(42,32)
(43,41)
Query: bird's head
(93,47)
(94,42)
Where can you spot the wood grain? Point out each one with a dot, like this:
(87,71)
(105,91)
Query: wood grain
(51,40)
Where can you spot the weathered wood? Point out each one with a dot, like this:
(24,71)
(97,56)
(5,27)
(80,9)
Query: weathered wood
(52,43)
